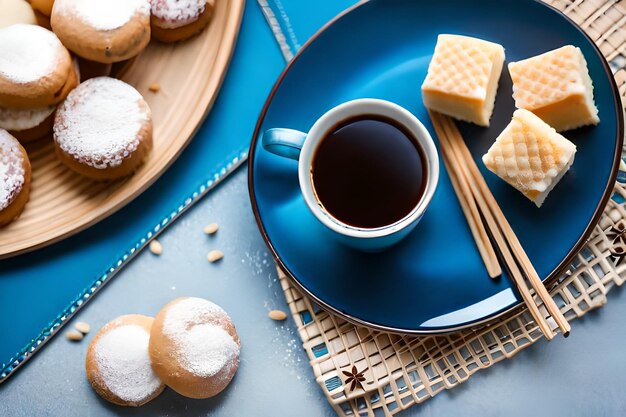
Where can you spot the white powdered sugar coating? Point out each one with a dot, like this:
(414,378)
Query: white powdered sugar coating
(28,53)
(23,119)
(124,363)
(196,327)
(99,122)
(11,169)
(103,14)
(177,13)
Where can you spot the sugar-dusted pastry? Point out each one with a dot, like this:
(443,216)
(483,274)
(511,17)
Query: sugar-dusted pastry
(35,68)
(556,86)
(43,6)
(194,347)
(103,129)
(175,20)
(27,125)
(463,77)
(103,31)
(16,11)
(14,178)
(118,364)
(31,124)
(530,155)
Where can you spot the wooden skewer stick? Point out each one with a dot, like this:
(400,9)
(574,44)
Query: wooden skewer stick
(499,238)
(470,210)
(478,181)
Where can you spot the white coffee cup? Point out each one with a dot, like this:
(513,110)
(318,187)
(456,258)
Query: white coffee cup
(301,146)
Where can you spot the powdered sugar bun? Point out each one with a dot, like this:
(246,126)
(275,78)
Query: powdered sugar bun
(103,31)
(16,11)
(171,14)
(103,129)
(34,67)
(23,119)
(175,20)
(194,347)
(14,178)
(27,124)
(118,363)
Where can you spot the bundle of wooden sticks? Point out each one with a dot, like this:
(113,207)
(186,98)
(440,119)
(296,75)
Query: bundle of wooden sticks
(490,228)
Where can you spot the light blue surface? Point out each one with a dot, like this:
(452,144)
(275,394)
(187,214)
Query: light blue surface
(435,278)
(35,288)
(38,290)
(29,285)
(578,376)
(581,376)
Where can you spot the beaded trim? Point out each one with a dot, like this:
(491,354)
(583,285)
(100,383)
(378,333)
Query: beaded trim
(8,368)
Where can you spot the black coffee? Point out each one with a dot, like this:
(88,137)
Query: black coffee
(369,172)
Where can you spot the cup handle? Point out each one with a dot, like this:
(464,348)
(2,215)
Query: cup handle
(284,142)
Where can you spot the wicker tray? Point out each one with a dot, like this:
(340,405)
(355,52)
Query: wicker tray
(365,372)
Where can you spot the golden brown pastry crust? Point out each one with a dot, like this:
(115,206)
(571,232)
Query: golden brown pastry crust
(44,128)
(165,356)
(91,365)
(45,91)
(43,20)
(104,46)
(42,6)
(128,165)
(70,84)
(15,208)
(165,34)
(34,133)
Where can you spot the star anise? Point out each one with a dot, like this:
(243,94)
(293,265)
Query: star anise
(355,378)
(618,255)
(616,234)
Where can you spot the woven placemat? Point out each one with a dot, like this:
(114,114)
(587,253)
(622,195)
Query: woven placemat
(366,372)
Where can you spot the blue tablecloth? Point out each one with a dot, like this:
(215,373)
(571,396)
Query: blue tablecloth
(38,290)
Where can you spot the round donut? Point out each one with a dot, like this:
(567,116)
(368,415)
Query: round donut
(27,125)
(103,129)
(35,68)
(43,6)
(194,347)
(16,11)
(176,20)
(103,31)
(118,363)
(14,178)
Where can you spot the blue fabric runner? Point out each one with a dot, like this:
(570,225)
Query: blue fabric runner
(40,290)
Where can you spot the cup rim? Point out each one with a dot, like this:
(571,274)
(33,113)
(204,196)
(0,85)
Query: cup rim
(366,106)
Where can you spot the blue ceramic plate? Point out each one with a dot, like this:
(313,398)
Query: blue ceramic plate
(433,281)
